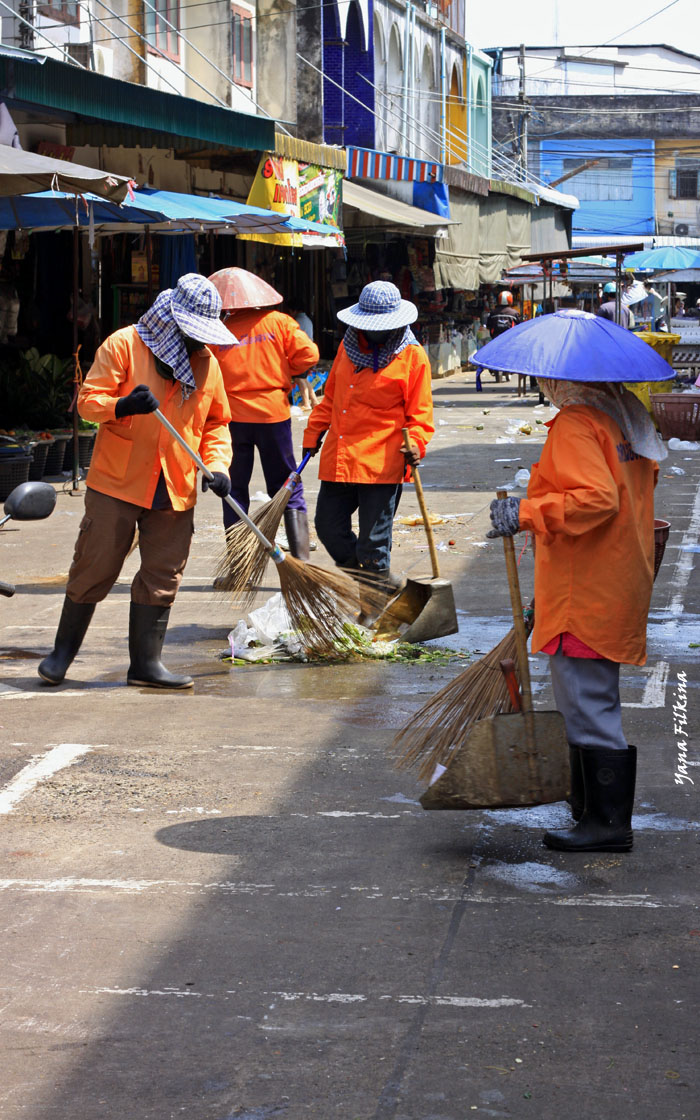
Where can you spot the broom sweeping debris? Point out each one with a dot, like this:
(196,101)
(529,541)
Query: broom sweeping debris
(319,603)
(242,564)
(438,730)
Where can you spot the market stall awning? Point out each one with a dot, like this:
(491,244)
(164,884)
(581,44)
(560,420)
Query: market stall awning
(26,172)
(52,210)
(377,210)
(108,111)
(490,235)
(194,212)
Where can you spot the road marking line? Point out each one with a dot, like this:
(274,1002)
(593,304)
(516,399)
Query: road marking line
(315,997)
(38,770)
(364,893)
(654,695)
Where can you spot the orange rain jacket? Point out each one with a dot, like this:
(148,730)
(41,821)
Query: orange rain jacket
(272,349)
(590,504)
(364,412)
(131,452)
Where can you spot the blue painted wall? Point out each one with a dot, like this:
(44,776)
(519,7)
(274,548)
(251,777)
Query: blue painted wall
(621,216)
(344,121)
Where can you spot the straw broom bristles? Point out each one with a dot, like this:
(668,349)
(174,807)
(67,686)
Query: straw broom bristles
(320,604)
(241,566)
(437,731)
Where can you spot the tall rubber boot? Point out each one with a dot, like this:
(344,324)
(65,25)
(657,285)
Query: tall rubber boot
(72,627)
(147,626)
(606,822)
(576,797)
(296,526)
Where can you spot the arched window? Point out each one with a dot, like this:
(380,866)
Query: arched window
(428,107)
(380,80)
(394,91)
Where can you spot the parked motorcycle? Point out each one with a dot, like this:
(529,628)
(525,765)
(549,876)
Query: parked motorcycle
(30,501)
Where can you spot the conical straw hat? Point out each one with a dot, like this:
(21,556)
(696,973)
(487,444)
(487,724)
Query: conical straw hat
(239,288)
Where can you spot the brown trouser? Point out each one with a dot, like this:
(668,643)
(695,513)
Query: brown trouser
(106,535)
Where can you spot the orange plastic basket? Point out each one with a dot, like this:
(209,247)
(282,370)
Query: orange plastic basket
(677,414)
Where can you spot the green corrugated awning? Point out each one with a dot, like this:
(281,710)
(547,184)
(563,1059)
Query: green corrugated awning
(177,121)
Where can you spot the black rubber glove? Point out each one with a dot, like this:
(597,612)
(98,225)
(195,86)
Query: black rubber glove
(139,401)
(505,517)
(219,484)
(313,450)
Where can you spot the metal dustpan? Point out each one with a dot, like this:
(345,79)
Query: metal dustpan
(513,760)
(424,608)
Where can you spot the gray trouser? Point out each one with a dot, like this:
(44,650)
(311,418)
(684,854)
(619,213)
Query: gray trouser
(587,693)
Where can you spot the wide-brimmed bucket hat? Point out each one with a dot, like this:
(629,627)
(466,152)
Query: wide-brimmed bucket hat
(379,308)
(195,305)
(241,289)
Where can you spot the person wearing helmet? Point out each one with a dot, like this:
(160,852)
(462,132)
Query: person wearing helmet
(272,350)
(503,317)
(139,478)
(379,384)
(607,308)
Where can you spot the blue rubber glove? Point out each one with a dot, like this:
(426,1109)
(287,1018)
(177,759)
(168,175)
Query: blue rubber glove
(505,517)
(219,484)
(138,402)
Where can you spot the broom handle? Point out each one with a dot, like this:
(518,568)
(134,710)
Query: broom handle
(520,634)
(424,509)
(294,476)
(275,552)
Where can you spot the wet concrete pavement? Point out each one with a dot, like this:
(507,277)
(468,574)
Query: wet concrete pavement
(228,904)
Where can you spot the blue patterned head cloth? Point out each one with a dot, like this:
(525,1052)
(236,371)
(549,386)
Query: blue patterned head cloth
(190,310)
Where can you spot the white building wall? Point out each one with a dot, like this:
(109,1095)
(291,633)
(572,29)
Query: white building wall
(407,75)
(586,71)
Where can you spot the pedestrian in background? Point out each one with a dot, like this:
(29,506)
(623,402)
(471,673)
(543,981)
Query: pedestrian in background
(139,477)
(309,399)
(258,373)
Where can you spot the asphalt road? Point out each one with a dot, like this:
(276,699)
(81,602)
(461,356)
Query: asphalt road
(228,904)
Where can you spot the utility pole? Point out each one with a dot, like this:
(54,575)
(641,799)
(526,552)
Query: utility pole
(523,113)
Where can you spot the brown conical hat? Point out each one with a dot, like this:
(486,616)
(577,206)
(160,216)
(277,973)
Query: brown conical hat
(240,289)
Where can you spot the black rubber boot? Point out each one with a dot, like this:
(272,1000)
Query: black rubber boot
(72,627)
(147,626)
(575,798)
(296,526)
(606,821)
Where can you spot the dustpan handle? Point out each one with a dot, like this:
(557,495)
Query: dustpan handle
(271,548)
(423,509)
(520,634)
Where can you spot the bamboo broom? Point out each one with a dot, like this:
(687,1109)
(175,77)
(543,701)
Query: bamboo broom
(319,603)
(243,561)
(438,729)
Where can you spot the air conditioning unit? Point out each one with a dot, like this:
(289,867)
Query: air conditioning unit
(682,229)
(104,61)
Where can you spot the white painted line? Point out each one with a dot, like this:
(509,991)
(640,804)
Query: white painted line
(343,998)
(38,770)
(684,565)
(365,893)
(654,695)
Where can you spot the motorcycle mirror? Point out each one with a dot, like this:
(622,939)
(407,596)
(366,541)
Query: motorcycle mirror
(30,501)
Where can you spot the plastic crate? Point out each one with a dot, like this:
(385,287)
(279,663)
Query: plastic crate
(13,472)
(55,457)
(661,530)
(677,414)
(40,451)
